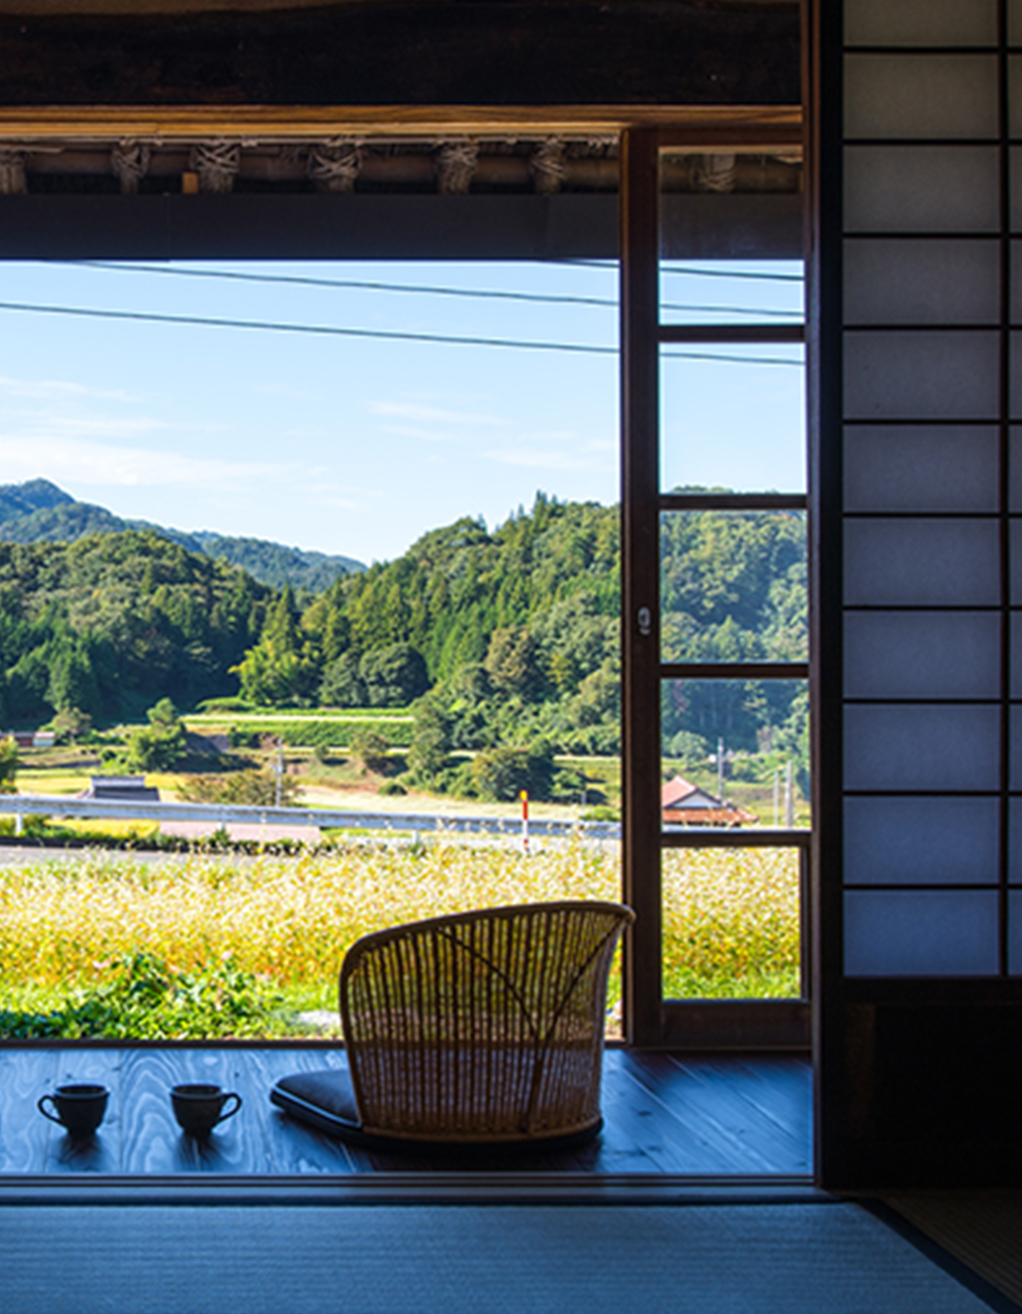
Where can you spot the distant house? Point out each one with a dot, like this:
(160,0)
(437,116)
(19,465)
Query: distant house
(31,738)
(685,804)
(121,789)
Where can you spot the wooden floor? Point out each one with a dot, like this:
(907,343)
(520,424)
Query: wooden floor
(721,1116)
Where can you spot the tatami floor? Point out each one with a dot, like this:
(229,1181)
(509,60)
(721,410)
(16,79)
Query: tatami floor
(665,1114)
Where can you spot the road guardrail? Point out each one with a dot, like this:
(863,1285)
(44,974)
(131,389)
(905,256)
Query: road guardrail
(53,805)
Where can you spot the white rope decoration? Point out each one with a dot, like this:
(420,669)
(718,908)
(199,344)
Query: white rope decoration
(12,173)
(714,173)
(334,166)
(216,163)
(455,166)
(129,161)
(548,166)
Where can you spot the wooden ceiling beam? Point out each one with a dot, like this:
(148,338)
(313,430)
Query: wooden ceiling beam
(692,128)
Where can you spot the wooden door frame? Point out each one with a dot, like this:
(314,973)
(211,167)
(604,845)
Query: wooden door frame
(644,131)
(650,1020)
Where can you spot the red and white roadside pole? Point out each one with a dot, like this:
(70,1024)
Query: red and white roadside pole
(524,796)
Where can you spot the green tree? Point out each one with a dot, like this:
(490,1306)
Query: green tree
(370,747)
(163,713)
(71,724)
(162,744)
(431,741)
(341,685)
(393,676)
(502,773)
(511,661)
(8,765)
(281,668)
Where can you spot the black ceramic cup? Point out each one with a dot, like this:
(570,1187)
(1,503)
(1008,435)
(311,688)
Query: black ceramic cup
(198,1107)
(78,1107)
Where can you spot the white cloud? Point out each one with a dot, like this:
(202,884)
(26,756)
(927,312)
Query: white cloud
(424,413)
(56,389)
(341,503)
(550,459)
(57,427)
(410,431)
(81,461)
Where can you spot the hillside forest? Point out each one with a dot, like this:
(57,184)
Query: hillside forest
(505,640)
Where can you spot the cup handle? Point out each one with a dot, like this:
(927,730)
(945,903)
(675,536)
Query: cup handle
(45,1112)
(231,1095)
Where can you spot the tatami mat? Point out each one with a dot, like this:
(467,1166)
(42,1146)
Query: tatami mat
(726,1259)
(981,1228)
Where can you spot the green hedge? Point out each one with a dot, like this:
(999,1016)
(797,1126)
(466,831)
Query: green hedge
(326,734)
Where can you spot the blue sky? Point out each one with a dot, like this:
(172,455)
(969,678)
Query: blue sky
(359,446)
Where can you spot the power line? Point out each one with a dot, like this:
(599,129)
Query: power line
(391,335)
(298,280)
(695,272)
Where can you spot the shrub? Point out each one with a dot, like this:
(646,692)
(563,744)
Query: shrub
(370,748)
(144,999)
(225,705)
(70,725)
(255,788)
(162,744)
(502,773)
(156,747)
(8,765)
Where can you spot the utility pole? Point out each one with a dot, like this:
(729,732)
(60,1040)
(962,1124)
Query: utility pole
(280,767)
(720,769)
(777,798)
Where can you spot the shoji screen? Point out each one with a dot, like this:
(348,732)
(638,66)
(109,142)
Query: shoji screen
(920,498)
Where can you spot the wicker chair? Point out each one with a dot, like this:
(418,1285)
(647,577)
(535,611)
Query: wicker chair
(481,1028)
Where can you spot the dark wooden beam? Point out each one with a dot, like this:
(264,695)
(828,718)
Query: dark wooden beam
(411,52)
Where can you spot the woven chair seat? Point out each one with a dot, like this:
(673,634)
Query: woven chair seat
(482,1028)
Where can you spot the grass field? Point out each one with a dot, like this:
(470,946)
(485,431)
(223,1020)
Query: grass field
(213,927)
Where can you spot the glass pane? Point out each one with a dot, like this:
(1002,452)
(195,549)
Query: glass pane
(731,291)
(731,923)
(734,753)
(733,418)
(733,586)
(722,206)
(730,242)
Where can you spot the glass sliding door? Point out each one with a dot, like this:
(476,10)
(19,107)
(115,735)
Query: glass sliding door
(715,593)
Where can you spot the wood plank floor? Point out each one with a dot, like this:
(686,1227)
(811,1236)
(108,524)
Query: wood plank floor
(699,1116)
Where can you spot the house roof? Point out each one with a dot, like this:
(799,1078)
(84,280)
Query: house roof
(680,792)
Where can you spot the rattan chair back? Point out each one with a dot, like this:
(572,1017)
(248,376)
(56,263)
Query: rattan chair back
(483,1026)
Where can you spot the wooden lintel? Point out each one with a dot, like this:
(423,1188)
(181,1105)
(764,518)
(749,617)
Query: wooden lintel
(751,127)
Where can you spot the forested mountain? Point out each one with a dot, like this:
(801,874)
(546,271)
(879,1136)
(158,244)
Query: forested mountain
(516,632)
(40,512)
(111,622)
(33,495)
(506,637)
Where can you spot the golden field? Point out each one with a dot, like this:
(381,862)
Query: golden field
(731,919)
